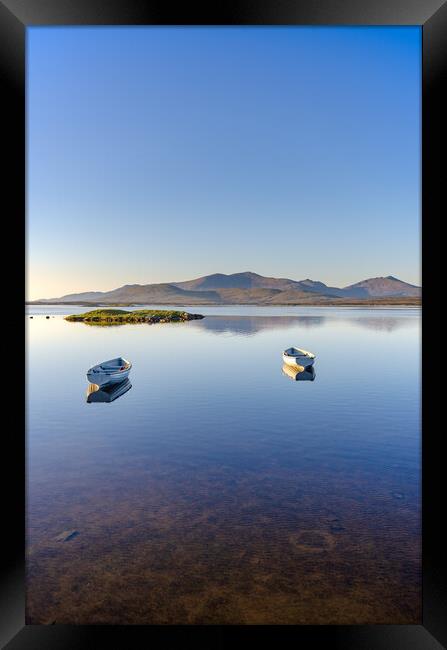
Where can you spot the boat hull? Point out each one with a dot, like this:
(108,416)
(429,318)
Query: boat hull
(298,361)
(105,378)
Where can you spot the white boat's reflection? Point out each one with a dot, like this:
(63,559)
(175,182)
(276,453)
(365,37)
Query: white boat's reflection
(107,393)
(299,374)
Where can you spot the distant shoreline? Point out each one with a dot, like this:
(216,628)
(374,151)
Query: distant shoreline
(363,302)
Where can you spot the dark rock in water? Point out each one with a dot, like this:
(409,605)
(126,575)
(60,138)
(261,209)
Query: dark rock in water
(312,541)
(67,535)
(336,528)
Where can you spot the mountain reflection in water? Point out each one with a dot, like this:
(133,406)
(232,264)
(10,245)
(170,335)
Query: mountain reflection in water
(246,325)
(249,326)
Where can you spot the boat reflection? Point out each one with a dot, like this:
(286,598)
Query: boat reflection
(107,393)
(298,373)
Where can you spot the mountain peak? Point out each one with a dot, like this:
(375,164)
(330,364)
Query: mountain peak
(382,287)
(244,288)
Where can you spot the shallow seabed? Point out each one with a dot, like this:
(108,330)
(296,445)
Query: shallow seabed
(217,489)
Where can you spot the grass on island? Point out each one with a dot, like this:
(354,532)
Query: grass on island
(121,316)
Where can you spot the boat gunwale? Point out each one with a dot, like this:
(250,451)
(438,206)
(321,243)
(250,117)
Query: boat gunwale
(299,353)
(111,370)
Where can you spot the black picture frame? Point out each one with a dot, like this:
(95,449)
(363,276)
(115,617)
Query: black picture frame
(15,17)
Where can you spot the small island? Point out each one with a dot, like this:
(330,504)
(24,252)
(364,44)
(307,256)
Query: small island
(121,316)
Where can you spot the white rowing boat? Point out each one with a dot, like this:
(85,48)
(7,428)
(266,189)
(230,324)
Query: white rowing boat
(109,372)
(298,357)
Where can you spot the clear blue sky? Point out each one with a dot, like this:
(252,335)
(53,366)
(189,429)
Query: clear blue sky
(161,154)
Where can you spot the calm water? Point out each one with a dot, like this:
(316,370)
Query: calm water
(218,489)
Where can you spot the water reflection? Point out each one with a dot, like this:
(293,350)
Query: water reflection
(299,374)
(235,499)
(107,393)
(382,324)
(252,325)
(248,326)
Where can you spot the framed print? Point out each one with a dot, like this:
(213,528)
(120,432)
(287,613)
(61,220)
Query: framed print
(228,430)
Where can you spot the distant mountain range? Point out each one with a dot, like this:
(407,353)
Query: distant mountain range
(248,288)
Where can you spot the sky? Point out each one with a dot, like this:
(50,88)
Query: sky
(158,154)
